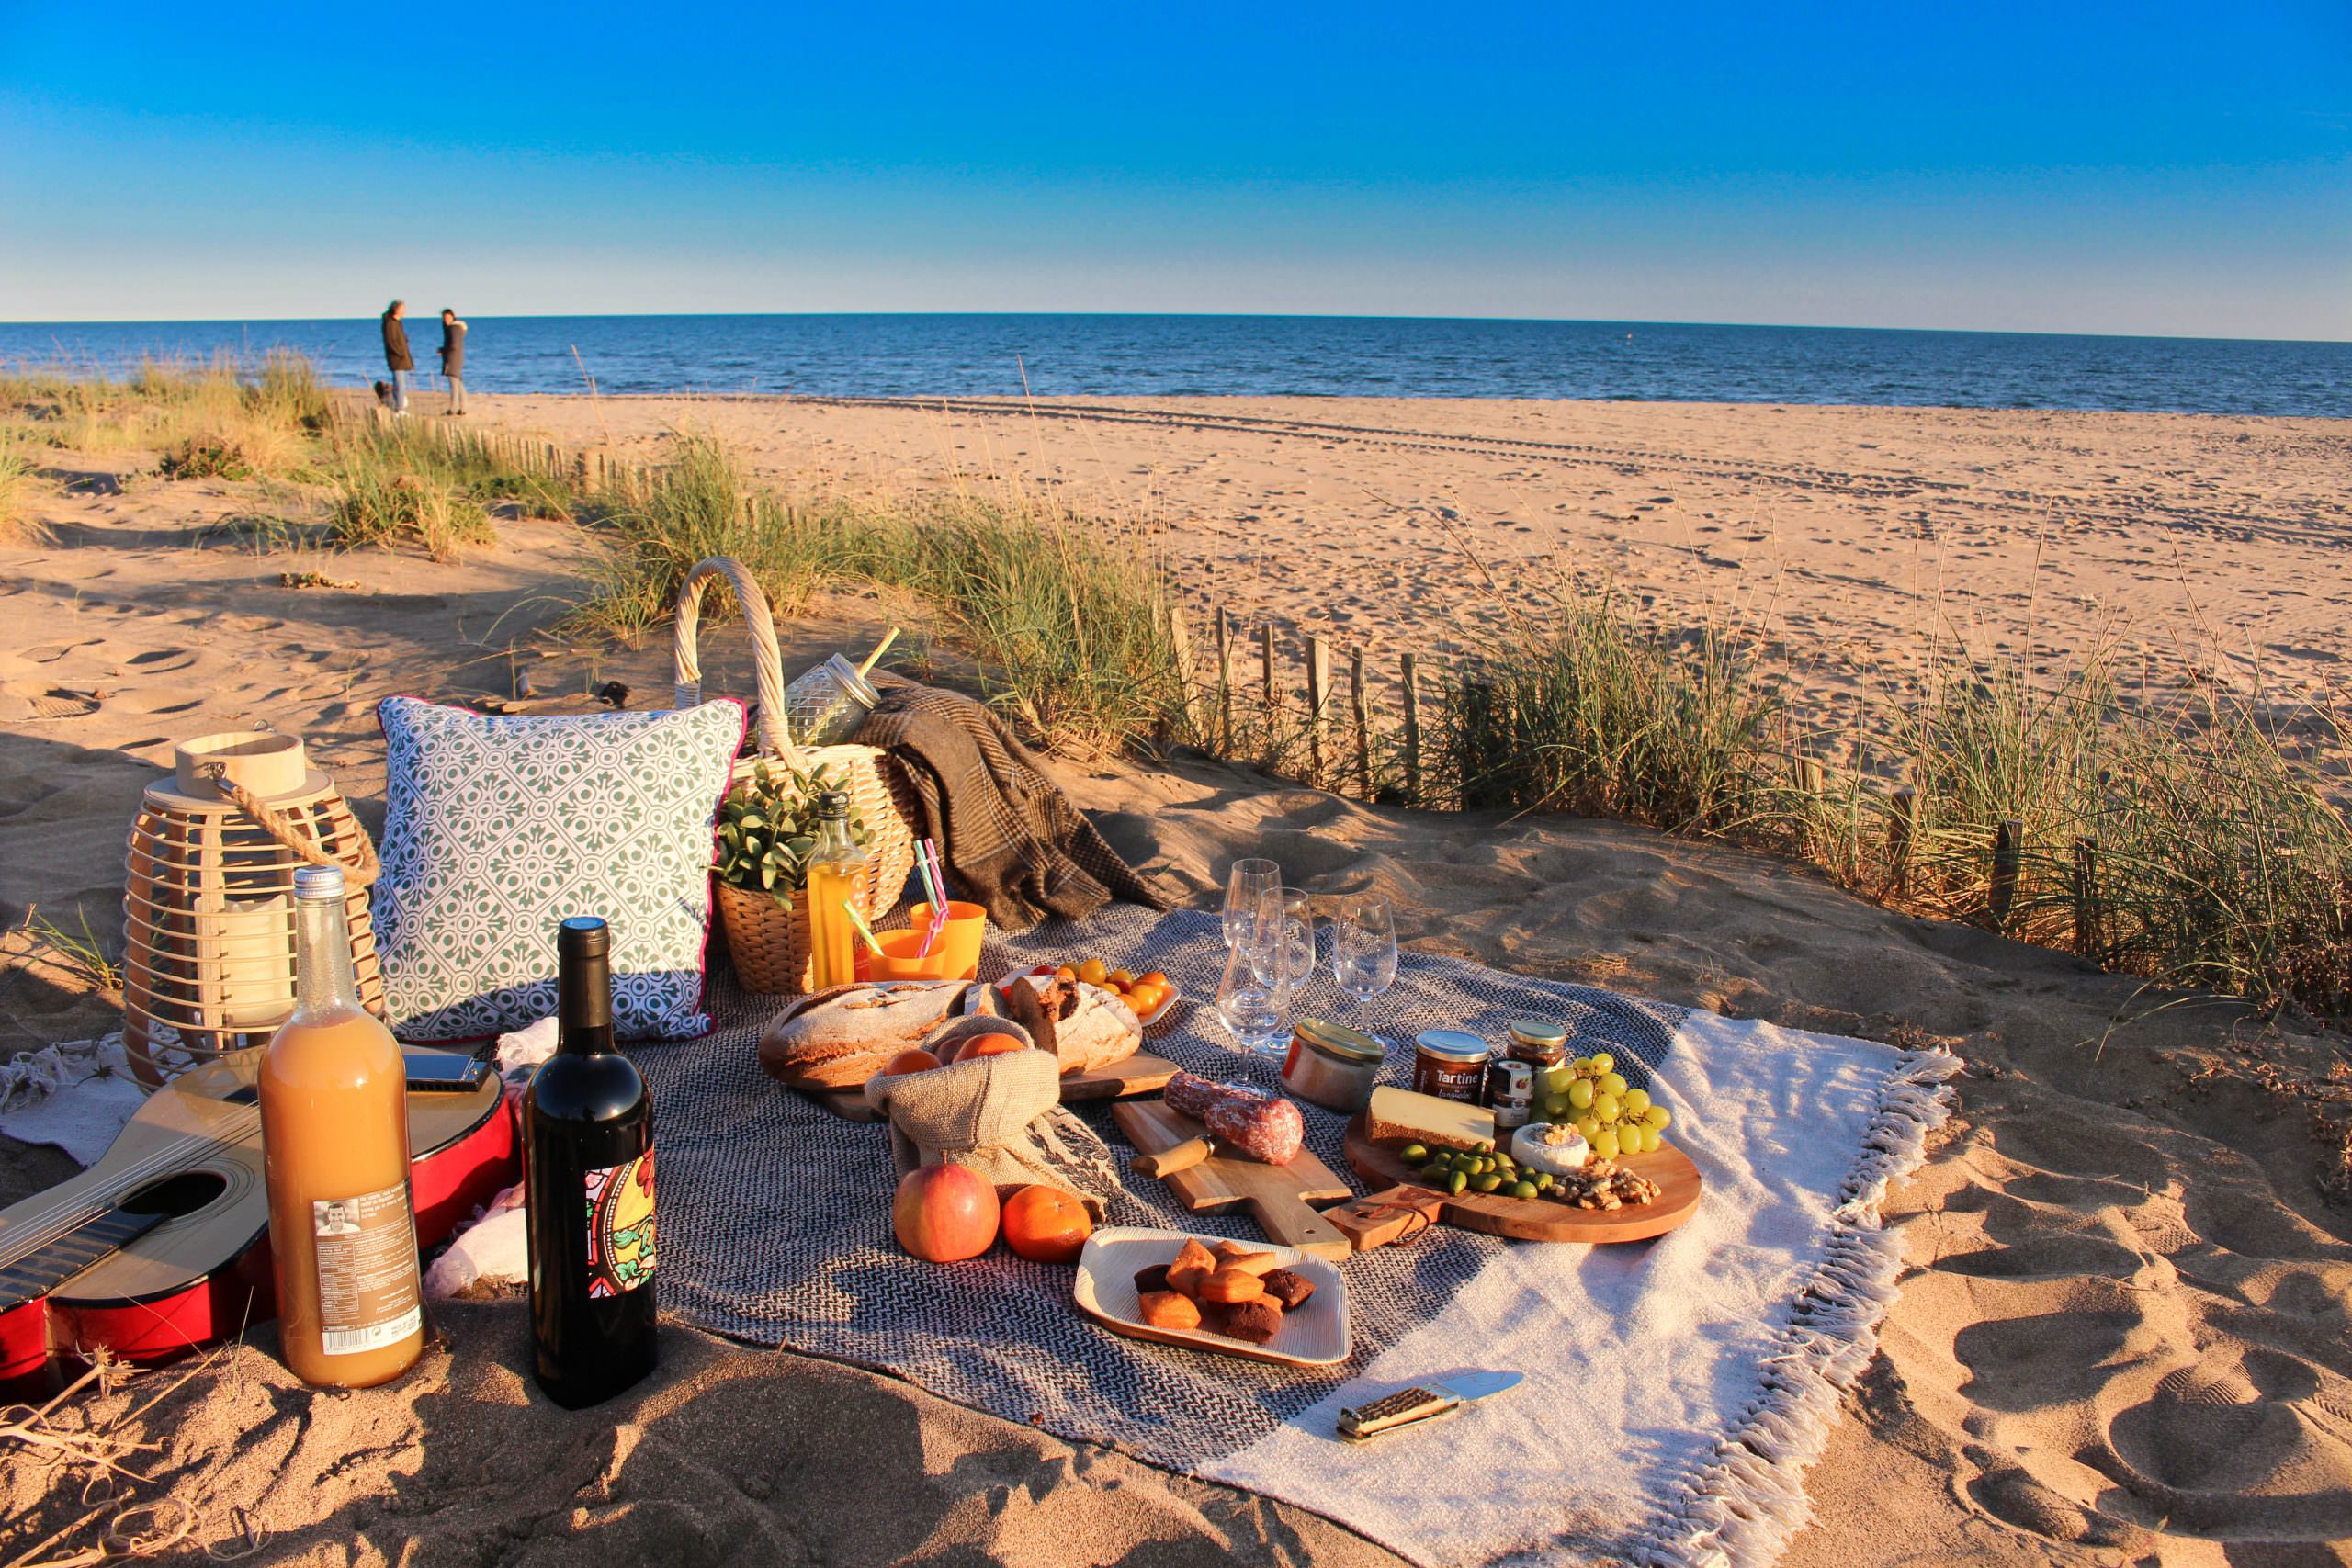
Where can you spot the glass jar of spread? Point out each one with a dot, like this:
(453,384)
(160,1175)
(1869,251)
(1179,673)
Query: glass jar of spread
(1332,1065)
(1450,1065)
(1539,1042)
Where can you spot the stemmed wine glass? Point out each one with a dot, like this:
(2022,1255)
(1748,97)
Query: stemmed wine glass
(1364,946)
(1252,996)
(1247,886)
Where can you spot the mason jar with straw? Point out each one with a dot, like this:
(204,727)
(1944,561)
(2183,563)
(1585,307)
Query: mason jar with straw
(829,701)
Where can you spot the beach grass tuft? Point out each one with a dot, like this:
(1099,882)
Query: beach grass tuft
(19,475)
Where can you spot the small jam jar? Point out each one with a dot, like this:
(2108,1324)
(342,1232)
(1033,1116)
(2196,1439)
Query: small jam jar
(1539,1042)
(1333,1067)
(1450,1065)
(1511,1093)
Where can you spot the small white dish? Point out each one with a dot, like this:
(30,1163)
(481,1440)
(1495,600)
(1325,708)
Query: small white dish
(1314,1336)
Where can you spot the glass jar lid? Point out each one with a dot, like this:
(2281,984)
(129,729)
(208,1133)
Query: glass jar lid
(1538,1032)
(1452,1045)
(856,685)
(1333,1039)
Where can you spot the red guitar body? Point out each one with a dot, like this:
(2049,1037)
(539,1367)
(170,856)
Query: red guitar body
(162,1247)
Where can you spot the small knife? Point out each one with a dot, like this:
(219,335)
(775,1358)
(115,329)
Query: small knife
(1423,1403)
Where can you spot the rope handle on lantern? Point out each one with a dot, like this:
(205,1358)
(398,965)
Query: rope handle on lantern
(362,868)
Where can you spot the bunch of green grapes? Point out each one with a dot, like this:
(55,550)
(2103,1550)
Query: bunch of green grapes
(1590,1094)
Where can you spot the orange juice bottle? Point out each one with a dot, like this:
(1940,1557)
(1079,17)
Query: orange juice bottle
(836,885)
(334,1151)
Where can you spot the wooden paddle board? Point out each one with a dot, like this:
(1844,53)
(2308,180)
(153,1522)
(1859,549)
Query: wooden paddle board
(1539,1219)
(1138,1074)
(1280,1197)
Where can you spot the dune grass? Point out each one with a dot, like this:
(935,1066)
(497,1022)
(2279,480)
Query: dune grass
(1070,631)
(19,475)
(221,417)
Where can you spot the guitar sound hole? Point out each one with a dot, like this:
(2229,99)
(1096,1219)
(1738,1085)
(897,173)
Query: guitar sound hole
(183,1193)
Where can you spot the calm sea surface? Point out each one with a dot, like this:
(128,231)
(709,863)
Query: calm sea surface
(914,355)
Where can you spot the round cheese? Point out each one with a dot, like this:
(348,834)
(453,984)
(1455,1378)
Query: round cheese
(1552,1146)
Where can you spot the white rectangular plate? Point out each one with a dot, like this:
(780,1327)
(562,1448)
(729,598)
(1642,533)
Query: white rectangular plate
(1314,1336)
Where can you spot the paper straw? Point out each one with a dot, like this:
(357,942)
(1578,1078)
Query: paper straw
(879,650)
(857,923)
(933,881)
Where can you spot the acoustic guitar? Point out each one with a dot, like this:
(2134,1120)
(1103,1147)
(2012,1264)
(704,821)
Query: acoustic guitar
(162,1247)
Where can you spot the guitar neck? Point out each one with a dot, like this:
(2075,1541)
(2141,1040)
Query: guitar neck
(53,1263)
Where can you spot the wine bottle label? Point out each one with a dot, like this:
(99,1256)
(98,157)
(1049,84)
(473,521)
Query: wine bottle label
(620,1225)
(367,1286)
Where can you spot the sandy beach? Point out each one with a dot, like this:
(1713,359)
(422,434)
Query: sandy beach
(2124,1334)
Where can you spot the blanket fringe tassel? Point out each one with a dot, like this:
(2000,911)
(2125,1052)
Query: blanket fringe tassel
(1741,1506)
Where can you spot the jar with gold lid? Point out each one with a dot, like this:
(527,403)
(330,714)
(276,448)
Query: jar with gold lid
(1332,1066)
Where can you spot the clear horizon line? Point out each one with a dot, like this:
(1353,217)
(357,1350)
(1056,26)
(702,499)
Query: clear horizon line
(1231,315)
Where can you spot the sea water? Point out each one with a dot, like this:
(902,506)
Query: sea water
(1115,356)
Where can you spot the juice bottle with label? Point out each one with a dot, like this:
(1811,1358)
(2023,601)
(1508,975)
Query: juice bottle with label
(335,1149)
(588,1174)
(837,871)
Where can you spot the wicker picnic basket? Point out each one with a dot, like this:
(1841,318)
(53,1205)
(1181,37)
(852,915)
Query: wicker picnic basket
(769,945)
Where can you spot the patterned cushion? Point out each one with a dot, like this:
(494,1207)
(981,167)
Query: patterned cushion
(496,829)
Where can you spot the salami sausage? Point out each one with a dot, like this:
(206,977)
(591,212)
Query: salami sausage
(1258,1126)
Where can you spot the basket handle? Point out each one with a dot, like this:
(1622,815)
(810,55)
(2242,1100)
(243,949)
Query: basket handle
(767,662)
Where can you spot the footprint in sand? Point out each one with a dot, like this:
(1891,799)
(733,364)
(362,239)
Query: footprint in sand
(30,703)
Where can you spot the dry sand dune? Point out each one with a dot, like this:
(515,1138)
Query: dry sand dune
(2125,1335)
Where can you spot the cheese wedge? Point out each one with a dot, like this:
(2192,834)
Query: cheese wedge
(1399,1116)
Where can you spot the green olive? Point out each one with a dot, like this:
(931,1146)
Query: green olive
(1486,1183)
(1523,1189)
(1414,1154)
(1457,1181)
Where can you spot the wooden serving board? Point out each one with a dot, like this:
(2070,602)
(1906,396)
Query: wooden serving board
(1280,1197)
(1138,1074)
(1539,1219)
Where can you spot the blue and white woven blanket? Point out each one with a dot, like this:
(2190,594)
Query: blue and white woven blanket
(1677,1389)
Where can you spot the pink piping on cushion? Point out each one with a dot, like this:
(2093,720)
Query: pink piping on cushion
(711,901)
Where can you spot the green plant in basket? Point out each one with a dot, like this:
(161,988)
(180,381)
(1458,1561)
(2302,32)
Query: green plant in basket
(767,828)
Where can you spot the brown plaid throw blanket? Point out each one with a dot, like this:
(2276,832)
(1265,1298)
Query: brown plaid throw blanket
(1013,842)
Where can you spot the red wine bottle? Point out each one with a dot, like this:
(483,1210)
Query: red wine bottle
(588,1169)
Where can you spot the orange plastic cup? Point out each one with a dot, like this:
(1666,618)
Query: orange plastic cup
(897,961)
(966,923)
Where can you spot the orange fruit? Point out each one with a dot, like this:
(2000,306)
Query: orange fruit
(1046,1224)
(1122,978)
(1143,998)
(988,1045)
(1154,978)
(1092,971)
(908,1062)
(1065,973)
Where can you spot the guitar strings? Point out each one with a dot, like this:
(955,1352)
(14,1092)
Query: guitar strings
(52,1224)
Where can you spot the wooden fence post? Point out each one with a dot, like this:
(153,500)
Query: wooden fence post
(1900,821)
(1224,682)
(1412,730)
(1180,644)
(2089,938)
(2009,859)
(1266,669)
(1810,777)
(1319,697)
(1362,702)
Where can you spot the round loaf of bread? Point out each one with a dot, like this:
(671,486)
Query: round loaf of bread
(841,1037)
(1085,1027)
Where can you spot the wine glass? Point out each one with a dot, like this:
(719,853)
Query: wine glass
(1364,946)
(1250,997)
(1247,886)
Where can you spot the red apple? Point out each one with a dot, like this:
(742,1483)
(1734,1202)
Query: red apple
(944,1212)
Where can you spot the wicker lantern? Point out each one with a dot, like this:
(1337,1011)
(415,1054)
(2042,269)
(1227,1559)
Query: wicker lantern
(209,914)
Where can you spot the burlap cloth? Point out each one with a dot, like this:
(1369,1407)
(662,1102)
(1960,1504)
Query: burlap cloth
(1000,1116)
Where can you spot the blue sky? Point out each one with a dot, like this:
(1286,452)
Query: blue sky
(2158,168)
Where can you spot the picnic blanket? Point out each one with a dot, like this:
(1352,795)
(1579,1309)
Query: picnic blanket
(1676,1390)
(1015,844)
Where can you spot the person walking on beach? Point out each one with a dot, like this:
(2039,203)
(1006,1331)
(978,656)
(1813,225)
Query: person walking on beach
(453,358)
(396,354)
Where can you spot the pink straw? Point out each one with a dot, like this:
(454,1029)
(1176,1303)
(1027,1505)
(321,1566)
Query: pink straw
(934,883)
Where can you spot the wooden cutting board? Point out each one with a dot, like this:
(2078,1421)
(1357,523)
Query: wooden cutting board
(1280,1197)
(1139,1073)
(1538,1219)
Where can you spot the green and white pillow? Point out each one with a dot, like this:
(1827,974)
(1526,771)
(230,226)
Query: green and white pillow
(496,828)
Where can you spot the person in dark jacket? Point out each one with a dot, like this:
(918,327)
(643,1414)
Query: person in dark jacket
(396,354)
(453,358)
